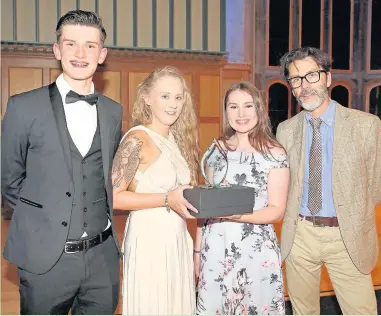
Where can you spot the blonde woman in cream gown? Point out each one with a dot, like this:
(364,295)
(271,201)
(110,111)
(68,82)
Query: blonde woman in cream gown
(158,274)
(158,250)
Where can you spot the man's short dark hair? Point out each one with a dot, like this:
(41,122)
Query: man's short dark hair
(321,58)
(80,17)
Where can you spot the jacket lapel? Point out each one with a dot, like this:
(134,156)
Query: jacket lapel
(59,115)
(341,146)
(299,146)
(104,128)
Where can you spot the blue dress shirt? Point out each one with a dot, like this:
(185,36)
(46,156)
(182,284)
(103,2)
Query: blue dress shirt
(327,133)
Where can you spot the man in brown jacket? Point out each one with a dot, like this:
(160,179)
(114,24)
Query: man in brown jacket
(335,163)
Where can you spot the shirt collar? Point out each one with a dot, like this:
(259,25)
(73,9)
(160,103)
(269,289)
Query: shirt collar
(64,87)
(328,116)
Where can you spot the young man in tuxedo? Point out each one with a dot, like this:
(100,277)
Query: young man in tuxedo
(58,143)
(335,164)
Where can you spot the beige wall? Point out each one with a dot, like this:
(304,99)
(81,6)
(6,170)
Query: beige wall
(35,21)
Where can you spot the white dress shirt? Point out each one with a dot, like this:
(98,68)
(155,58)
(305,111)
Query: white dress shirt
(81,120)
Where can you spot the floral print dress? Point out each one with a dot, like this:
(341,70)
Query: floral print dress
(240,264)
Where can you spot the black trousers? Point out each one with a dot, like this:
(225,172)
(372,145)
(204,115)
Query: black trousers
(86,282)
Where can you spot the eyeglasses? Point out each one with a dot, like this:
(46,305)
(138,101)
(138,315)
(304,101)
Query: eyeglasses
(311,77)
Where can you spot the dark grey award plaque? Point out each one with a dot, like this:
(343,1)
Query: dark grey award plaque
(216,198)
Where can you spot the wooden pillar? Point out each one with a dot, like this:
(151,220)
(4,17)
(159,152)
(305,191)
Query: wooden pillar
(360,26)
(259,61)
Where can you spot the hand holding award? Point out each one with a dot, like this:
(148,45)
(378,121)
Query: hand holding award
(217,198)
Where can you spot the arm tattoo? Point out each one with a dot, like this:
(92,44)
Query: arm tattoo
(126,161)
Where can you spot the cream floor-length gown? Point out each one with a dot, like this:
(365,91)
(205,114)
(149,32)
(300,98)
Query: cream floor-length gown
(158,250)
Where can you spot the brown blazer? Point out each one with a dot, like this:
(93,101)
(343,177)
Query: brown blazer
(356,181)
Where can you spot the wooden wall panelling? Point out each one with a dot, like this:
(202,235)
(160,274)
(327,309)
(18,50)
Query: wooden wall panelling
(28,72)
(376,273)
(109,83)
(206,92)
(209,96)
(45,76)
(54,73)
(196,92)
(188,79)
(125,93)
(134,78)
(24,79)
(208,131)
(4,86)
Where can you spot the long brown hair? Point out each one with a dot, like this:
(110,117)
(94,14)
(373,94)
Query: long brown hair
(184,130)
(261,137)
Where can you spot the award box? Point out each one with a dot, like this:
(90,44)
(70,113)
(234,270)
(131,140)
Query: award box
(217,198)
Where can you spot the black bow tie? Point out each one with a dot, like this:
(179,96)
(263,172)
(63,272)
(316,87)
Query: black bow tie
(72,97)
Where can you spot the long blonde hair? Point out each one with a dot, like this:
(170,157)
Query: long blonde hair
(261,137)
(184,130)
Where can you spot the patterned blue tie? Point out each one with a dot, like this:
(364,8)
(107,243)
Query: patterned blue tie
(315,169)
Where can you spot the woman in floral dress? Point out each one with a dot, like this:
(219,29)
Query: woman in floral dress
(237,258)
